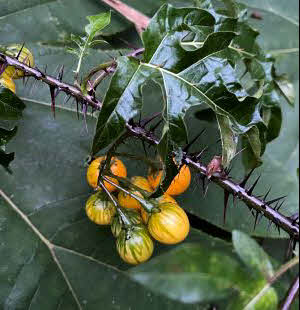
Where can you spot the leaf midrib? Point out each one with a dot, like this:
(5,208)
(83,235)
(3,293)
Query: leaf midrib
(52,247)
(188,83)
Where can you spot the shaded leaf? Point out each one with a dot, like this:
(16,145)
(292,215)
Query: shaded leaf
(11,106)
(6,158)
(7,135)
(273,119)
(229,140)
(287,88)
(187,275)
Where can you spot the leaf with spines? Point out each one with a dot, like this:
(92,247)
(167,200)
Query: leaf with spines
(204,75)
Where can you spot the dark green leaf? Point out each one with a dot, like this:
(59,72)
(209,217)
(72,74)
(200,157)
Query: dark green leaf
(273,119)
(11,106)
(6,158)
(207,115)
(252,254)
(7,135)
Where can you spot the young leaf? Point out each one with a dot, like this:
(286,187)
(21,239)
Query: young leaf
(97,23)
(252,254)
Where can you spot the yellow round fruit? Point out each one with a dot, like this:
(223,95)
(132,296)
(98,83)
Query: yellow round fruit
(7,82)
(179,184)
(117,225)
(100,209)
(25,57)
(135,245)
(126,201)
(116,167)
(160,200)
(170,225)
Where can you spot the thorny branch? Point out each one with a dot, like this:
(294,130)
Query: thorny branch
(51,81)
(236,189)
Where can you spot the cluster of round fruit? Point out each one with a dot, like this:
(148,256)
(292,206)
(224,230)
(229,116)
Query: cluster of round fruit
(11,73)
(134,217)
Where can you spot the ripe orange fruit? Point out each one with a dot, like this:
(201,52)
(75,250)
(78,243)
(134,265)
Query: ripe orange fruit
(169,226)
(126,201)
(116,167)
(180,183)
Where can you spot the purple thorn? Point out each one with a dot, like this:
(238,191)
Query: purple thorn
(226,197)
(256,219)
(20,51)
(250,190)
(146,121)
(244,181)
(276,199)
(52,91)
(186,148)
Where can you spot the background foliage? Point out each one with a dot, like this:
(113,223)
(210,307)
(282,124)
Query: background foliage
(48,180)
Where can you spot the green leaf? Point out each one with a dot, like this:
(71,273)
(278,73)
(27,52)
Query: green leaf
(252,254)
(255,148)
(97,23)
(228,138)
(197,274)
(5,137)
(185,71)
(11,106)
(273,119)
(190,276)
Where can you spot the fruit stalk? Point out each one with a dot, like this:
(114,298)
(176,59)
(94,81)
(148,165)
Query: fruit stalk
(147,206)
(124,217)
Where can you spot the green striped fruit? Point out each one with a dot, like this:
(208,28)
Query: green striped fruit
(170,225)
(116,225)
(25,57)
(100,209)
(135,245)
